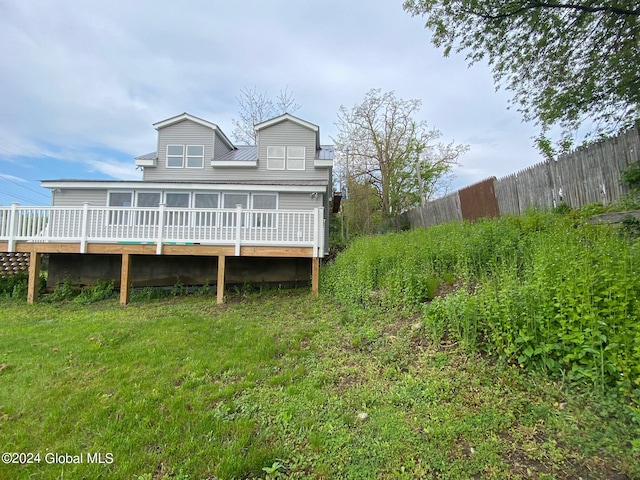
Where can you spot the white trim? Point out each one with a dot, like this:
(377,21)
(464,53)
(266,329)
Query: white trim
(322,163)
(303,158)
(273,194)
(188,194)
(184,148)
(283,158)
(234,163)
(186,156)
(284,117)
(122,186)
(138,192)
(129,191)
(199,121)
(247,195)
(218,194)
(180,118)
(146,162)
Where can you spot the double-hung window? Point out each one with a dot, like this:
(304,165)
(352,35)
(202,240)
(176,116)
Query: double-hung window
(295,158)
(281,158)
(195,156)
(175,156)
(275,158)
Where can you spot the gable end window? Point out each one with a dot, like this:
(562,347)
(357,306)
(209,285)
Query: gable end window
(295,158)
(175,156)
(275,158)
(195,156)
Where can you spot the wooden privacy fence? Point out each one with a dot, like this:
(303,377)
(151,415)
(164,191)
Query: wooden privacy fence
(587,175)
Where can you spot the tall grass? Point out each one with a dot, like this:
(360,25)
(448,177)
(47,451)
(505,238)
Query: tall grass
(543,291)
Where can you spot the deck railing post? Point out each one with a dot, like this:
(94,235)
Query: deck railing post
(318,233)
(161,213)
(85,223)
(238,228)
(13,227)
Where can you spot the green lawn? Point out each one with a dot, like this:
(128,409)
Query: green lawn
(281,384)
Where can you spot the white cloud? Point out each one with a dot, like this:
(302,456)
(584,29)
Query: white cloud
(82,77)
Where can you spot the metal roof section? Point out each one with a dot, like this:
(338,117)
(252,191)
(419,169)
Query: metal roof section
(243,156)
(324,156)
(147,160)
(148,156)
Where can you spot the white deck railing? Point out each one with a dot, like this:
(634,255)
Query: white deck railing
(161,225)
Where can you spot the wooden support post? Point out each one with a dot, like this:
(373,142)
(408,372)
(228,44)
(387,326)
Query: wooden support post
(124,278)
(34,277)
(315,275)
(220,284)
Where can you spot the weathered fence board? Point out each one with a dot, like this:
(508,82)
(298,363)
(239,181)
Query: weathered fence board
(479,200)
(588,175)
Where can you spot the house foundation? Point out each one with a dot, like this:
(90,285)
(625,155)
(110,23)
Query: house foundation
(139,266)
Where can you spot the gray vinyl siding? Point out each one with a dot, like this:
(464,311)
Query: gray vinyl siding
(298,201)
(220,147)
(182,133)
(285,134)
(75,198)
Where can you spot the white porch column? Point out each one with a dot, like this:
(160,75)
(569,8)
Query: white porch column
(161,212)
(238,228)
(13,226)
(85,222)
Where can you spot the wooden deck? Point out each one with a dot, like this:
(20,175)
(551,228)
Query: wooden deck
(161,231)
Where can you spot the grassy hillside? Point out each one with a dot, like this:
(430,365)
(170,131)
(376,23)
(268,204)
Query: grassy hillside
(546,292)
(280,385)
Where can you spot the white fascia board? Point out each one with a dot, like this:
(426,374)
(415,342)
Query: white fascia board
(234,163)
(199,121)
(180,118)
(282,118)
(181,186)
(322,163)
(146,162)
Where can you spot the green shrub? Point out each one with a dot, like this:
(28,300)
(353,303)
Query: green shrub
(540,291)
(101,291)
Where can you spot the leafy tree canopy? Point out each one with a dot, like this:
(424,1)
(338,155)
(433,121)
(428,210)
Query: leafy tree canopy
(384,146)
(569,63)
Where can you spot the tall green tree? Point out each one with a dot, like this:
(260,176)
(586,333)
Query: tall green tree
(383,146)
(572,64)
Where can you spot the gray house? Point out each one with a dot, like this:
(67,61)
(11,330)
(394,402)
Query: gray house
(204,210)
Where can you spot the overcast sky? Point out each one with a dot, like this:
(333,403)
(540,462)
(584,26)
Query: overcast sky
(82,82)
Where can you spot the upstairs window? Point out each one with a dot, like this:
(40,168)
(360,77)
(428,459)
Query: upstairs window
(275,158)
(291,158)
(295,158)
(195,156)
(175,156)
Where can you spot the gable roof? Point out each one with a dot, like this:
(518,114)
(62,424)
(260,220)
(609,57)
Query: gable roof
(288,117)
(282,118)
(186,116)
